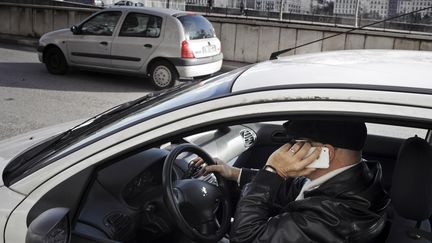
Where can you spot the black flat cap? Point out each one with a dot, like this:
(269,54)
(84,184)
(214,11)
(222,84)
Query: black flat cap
(341,134)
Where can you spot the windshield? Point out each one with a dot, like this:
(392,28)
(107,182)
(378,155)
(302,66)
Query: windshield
(165,102)
(197,27)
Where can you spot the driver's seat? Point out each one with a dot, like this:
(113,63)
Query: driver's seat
(411,193)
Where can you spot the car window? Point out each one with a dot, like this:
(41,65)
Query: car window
(101,24)
(197,27)
(395,131)
(141,25)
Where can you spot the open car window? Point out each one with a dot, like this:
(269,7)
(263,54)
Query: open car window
(395,131)
(129,181)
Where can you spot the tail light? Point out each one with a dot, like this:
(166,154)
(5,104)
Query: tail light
(186,52)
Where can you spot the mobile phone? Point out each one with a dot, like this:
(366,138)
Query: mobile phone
(323,160)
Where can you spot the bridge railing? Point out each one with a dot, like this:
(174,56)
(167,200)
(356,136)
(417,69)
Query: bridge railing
(416,22)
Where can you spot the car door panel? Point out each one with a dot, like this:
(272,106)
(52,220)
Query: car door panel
(90,50)
(92,46)
(139,36)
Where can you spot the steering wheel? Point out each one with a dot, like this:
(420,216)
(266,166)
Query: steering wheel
(193,202)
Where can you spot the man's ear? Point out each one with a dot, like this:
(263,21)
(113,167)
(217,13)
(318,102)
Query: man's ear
(332,152)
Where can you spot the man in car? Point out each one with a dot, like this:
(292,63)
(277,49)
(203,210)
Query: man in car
(286,201)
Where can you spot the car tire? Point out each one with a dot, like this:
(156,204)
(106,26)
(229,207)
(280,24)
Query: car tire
(55,61)
(163,75)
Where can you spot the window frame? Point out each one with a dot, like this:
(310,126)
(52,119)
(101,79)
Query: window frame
(94,16)
(137,36)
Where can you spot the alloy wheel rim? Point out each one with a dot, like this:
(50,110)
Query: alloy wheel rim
(162,76)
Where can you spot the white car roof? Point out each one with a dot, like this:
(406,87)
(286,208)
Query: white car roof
(164,11)
(393,68)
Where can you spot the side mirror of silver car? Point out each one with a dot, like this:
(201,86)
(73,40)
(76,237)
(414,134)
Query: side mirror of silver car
(52,225)
(75,30)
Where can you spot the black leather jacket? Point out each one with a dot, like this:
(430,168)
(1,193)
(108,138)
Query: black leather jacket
(349,207)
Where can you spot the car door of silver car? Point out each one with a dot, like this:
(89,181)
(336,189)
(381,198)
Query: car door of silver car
(139,36)
(91,45)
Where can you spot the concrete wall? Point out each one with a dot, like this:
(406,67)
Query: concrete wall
(243,39)
(35,20)
(252,39)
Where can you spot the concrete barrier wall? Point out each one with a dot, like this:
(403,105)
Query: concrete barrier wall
(252,39)
(243,39)
(35,20)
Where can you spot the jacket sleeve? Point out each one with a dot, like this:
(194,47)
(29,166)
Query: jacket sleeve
(247,176)
(254,222)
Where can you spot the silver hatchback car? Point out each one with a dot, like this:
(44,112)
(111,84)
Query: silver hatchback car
(163,44)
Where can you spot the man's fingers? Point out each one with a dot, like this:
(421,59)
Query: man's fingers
(201,173)
(198,161)
(311,158)
(285,147)
(213,168)
(303,151)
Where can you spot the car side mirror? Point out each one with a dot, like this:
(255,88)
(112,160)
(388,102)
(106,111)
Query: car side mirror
(75,30)
(52,225)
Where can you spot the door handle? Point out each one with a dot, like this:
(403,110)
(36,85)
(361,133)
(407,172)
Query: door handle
(148,45)
(104,43)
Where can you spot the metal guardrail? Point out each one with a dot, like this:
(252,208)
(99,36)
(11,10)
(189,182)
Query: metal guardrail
(408,23)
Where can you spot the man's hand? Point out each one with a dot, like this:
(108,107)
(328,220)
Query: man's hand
(226,171)
(290,161)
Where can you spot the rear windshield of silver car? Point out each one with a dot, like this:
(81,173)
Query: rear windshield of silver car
(197,27)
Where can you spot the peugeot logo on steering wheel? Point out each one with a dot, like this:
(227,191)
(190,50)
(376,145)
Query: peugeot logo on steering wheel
(204,191)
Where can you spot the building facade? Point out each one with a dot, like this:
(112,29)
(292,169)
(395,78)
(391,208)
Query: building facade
(406,6)
(379,8)
(346,7)
(289,6)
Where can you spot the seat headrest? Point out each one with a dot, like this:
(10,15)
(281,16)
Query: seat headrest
(131,22)
(411,191)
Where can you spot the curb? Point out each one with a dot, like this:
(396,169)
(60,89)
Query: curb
(19,40)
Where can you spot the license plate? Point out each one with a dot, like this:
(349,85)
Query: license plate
(209,49)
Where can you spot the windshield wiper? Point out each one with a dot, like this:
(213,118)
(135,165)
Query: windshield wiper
(27,160)
(46,149)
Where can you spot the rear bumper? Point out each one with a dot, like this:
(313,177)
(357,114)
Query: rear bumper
(193,67)
(195,61)
(199,70)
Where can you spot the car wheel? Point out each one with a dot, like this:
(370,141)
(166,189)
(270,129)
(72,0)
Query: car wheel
(163,75)
(55,61)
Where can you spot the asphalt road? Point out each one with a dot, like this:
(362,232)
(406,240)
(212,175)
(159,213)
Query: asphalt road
(32,98)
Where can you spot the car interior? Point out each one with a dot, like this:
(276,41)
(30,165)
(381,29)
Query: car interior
(124,199)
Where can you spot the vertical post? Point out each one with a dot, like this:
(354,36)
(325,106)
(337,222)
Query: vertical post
(281,9)
(334,18)
(357,13)
(411,23)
